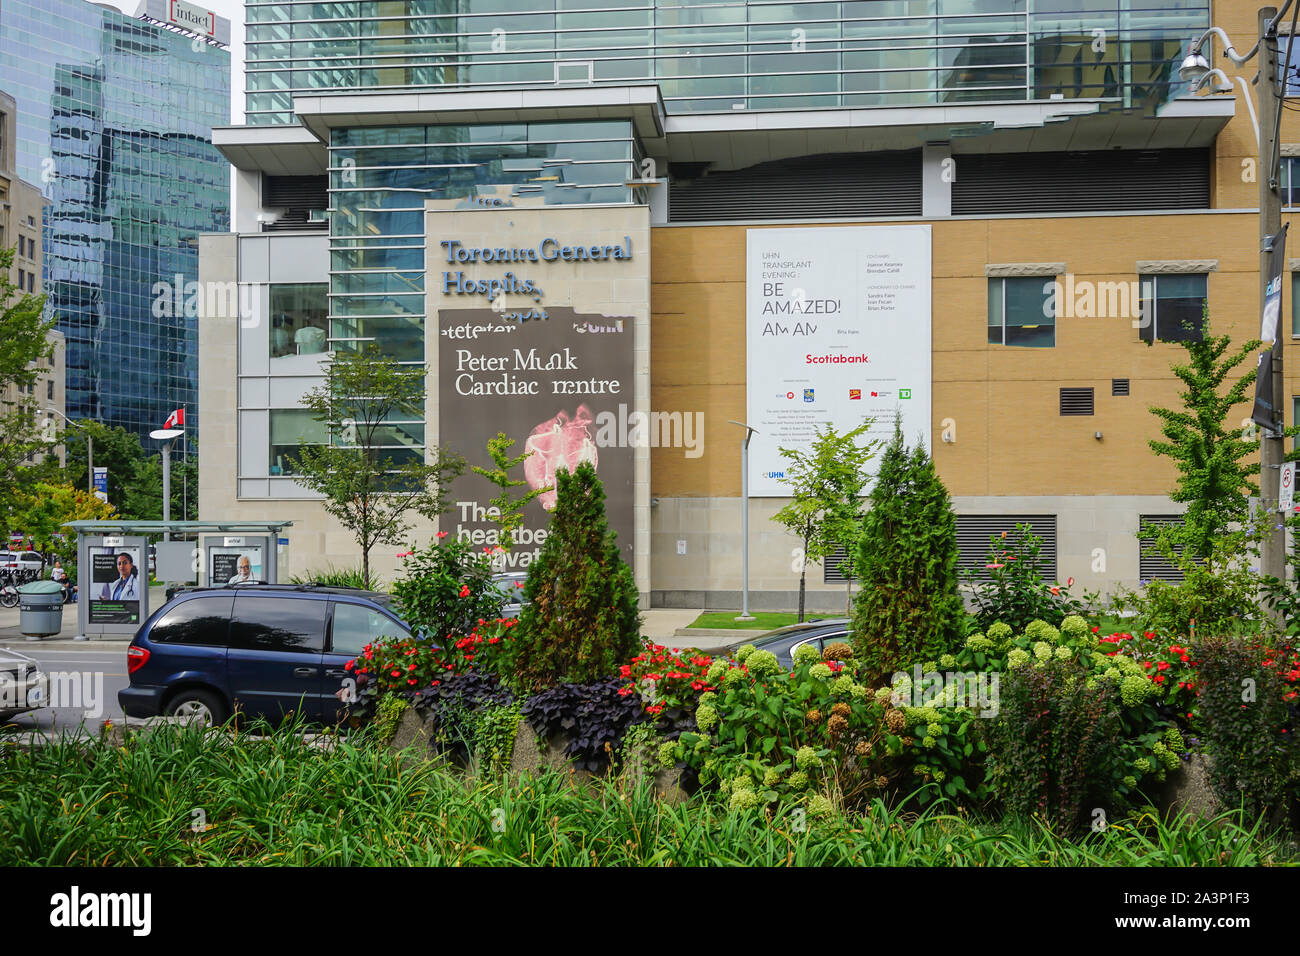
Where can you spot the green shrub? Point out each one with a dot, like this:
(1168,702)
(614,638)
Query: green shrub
(767,735)
(1050,741)
(1012,589)
(388,714)
(1247,714)
(446,589)
(581,619)
(1220,596)
(494,728)
(909,607)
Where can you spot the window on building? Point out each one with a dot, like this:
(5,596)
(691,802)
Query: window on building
(49,390)
(299,319)
(291,429)
(1021,312)
(1295,311)
(1173,307)
(1288,68)
(1290,173)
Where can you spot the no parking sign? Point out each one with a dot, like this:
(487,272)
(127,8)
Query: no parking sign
(1286,495)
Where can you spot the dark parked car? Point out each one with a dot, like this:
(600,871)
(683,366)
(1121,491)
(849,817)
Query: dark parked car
(510,584)
(265,650)
(23,685)
(784,641)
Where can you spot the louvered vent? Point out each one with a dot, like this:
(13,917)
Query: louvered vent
(811,187)
(1119,387)
(833,566)
(974,532)
(1153,566)
(1097,180)
(295,192)
(1076,401)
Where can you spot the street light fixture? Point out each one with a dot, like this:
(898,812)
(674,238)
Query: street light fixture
(1196,68)
(750,431)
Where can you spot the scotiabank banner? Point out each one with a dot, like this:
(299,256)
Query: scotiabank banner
(837,329)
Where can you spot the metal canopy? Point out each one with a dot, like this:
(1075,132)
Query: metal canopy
(176,527)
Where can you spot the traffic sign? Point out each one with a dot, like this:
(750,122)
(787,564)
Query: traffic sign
(1286,496)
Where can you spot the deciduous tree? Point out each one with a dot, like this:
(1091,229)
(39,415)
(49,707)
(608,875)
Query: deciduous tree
(367,488)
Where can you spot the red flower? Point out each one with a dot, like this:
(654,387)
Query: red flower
(1054,589)
(442,534)
(348,665)
(1069,582)
(625,691)
(1159,679)
(464,590)
(1095,630)
(397,673)
(1162,666)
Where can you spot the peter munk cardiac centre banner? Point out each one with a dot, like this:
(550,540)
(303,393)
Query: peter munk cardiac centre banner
(558,379)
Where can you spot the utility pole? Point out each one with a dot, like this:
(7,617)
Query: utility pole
(1273,547)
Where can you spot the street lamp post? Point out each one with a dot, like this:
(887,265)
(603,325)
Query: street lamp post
(90,450)
(1197,69)
(167,436)
(744,519)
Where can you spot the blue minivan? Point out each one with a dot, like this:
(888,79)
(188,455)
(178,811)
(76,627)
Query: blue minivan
(262,650)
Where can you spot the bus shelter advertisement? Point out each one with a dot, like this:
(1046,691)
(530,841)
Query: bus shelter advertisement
(116,584)
(560,386)
(837,331)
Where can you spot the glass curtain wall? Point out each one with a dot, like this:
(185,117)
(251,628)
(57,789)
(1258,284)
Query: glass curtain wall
(380,178)
(719,55)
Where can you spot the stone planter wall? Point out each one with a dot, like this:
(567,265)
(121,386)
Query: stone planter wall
(533,754)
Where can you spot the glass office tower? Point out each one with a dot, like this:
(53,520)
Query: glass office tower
(115,118)
(711,56)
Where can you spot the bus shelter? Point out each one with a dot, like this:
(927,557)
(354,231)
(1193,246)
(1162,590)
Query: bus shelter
(114,564)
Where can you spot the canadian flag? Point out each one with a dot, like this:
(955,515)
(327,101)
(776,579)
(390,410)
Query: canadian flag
(176,419)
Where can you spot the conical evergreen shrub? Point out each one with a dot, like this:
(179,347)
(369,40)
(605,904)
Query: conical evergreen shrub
(909,609)
(581,619)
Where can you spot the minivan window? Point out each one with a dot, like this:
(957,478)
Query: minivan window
(278,624)
(356,625)
(201,620)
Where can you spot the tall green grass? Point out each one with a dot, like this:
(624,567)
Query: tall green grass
(333,577)
(274,799)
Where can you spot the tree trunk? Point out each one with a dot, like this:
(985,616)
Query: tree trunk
(365,567)
(803,577)
(848,596)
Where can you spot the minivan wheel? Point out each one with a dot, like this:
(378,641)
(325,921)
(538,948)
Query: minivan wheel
(202,706)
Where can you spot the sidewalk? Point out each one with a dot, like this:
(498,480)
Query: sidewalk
(11,633)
